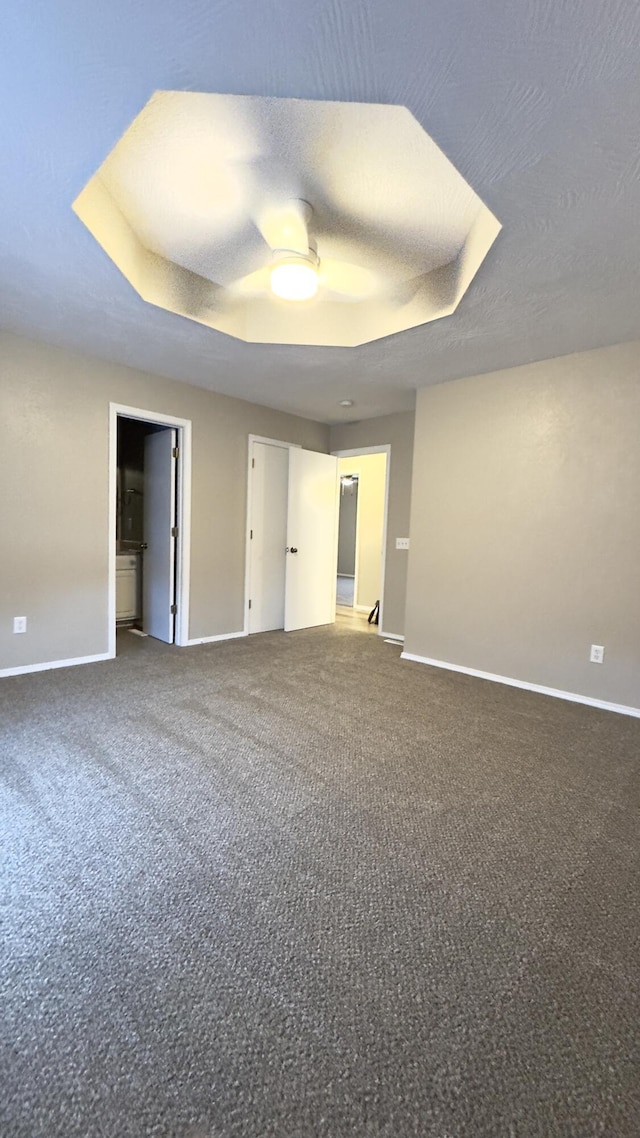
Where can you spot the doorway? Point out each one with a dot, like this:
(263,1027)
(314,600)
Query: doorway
(347,534)
(149,481)
(292,535)
(364,480)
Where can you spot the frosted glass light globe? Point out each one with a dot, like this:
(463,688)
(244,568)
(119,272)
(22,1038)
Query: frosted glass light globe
(294,280)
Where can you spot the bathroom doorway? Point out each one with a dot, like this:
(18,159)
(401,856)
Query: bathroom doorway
(149,522)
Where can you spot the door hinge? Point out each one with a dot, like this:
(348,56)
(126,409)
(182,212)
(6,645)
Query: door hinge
(250,535)
(174,531)
(253,462)
(174,609)
(176,452)
(249,604)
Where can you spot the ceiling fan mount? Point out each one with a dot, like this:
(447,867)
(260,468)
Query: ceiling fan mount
(293,270)
(296,271)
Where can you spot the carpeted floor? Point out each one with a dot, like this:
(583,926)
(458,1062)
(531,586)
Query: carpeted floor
(292,886)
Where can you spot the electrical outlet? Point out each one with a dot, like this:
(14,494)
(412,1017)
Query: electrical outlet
(19,624)
(597,654)
(402,543)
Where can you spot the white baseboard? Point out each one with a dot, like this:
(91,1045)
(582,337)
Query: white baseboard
(361,608)
(23,669)
(391,636)
(213,639)
(573,697)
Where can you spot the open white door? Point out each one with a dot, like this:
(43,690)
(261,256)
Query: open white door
(268,536)
(312,539)
(158,559)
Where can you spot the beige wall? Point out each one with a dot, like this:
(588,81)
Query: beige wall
(525,524)
(396,431)
(54,409)
(372,476)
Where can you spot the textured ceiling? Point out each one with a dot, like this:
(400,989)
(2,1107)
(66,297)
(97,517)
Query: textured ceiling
(537,104)
(202,190)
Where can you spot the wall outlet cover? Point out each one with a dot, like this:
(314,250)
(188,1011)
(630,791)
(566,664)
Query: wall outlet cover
(402,543)
(597,654)
(19,624)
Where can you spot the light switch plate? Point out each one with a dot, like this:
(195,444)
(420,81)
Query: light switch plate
(402,543)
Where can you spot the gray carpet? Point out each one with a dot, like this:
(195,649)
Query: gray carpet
(292,886)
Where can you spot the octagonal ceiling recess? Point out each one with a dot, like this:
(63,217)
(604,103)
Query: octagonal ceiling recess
(204,196)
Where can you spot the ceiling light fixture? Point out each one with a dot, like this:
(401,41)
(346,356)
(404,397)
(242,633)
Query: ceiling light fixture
(345,403)
(348,481)
(294,276)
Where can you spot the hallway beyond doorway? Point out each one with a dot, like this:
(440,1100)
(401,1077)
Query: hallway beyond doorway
(362,528)
(345,589)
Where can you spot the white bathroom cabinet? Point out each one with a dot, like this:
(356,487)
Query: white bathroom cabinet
(127,586)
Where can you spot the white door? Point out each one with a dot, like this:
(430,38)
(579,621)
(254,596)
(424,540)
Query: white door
(158,559)
(312,539)
(268,536)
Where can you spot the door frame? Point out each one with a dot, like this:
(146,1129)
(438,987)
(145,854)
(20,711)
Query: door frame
(248,527)
(183,540)
(354,452)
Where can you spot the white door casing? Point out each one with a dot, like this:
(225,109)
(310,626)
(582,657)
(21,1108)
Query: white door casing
(158,559)
(268,536)
(312,540)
